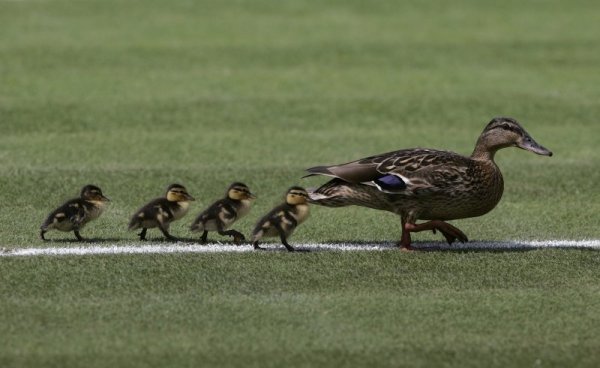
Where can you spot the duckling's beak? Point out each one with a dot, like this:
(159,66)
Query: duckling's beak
(251,196)
(527,143)
(189,197)
(104,198)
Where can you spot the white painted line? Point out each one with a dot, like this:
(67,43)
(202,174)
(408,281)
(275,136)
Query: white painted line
(145,248)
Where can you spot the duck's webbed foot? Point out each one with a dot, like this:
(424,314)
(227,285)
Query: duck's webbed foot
(450,232)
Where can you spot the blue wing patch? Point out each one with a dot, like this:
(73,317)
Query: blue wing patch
(390,183)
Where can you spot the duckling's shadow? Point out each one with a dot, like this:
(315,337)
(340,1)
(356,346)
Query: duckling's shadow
(297,249)
(85,241)
(208,242)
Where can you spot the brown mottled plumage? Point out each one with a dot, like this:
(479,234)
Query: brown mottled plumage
(284,219)
(427,184)
(220,215)
(74,214)
(160,212)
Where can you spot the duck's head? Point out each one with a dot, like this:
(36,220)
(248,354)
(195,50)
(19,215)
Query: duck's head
(178,193)
(296,195)
(93,193)
(239,191)
(505,132)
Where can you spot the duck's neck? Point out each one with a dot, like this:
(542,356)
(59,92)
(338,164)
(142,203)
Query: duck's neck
(483,151)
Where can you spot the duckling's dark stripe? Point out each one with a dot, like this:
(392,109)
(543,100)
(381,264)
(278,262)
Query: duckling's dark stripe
(229,208)
(290,218)
(302,194)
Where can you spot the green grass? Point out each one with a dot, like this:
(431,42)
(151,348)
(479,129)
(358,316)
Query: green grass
(133,95)
(328,309)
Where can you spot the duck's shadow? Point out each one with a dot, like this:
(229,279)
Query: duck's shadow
(440,246)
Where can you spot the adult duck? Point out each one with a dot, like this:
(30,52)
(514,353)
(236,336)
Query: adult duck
(427,184)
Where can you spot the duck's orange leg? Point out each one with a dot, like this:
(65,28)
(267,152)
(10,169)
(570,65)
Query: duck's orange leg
(450,232)
(405,240)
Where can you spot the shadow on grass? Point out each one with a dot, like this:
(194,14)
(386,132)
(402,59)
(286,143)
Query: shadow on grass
(85,241)
(157,239)
(474,246)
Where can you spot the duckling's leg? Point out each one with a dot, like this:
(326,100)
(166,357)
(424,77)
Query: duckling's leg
(78,236)
(256,237)
(237,236)
(142,234)
(42,232)
(256,246)
(165,231)
(450,232)
(283,238)
(285,243)
(204,236)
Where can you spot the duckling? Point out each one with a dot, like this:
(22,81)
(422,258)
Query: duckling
(224,212)
(74,214)
(283,219)
(160,212)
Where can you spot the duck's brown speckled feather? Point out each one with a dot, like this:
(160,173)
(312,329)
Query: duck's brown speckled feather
(427,184)
(439,184)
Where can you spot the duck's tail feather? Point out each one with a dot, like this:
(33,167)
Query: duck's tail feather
(319,170)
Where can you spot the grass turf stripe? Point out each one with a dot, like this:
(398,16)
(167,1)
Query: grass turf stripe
(142,248)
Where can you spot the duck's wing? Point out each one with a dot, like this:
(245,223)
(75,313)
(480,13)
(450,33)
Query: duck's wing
(428,171)
(353,172)
(150,212)
(211,212)
(71,211)
(399,171)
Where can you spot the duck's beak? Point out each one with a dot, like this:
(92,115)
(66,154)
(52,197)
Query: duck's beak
(527,143)
(105,198)
(189,197)
(251,196)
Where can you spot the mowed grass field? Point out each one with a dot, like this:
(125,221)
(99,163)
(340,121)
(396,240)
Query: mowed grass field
(135,95)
